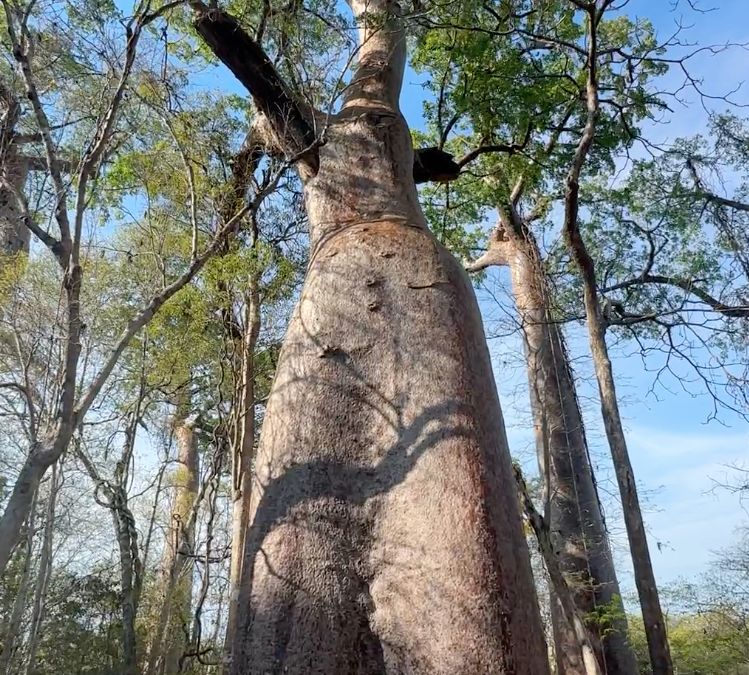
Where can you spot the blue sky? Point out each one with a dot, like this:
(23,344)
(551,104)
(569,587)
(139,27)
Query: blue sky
(676,454)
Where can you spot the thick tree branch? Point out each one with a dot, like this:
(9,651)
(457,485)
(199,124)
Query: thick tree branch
(291,123)
(40,163)
(496,252)
(20,53)
(433,164)
(510,149)
(246,59)
(381,55)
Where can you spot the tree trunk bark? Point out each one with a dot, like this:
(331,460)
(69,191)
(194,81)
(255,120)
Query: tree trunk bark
(243,455)
(573,615)
(42,579)
(386,536)
(127,542)
(655,628)
(14,235)
(574,514)
(647,590)
(173,628)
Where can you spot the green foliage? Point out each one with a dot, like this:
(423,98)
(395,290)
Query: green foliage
(515,76)
(710,642)
(82,626)
(606,615)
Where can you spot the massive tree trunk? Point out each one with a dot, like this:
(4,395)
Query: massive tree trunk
(573,510)
(386,536)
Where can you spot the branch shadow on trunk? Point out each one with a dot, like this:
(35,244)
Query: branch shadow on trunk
(336,483)
(328,492)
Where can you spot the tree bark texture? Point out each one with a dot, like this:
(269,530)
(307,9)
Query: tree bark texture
(43,575)
(127,543)
(655,628)
(574,514)
(14,235)
(14,170)
(43,455)
(573,615)
(12,632)
(386,537)
(647,589)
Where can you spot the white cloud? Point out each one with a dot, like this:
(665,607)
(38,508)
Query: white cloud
(694,518)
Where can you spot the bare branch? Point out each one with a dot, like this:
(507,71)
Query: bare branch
(739,311)
(21,56)
(711,197)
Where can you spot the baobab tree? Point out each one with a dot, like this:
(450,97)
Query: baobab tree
(386,535)
(578,556)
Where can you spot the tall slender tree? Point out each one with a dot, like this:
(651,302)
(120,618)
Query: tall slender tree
(572,507)
(647,589)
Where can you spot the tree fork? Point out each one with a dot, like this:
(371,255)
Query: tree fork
(292,122)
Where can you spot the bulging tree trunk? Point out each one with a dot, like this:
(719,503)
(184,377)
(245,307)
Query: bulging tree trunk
(386,536)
